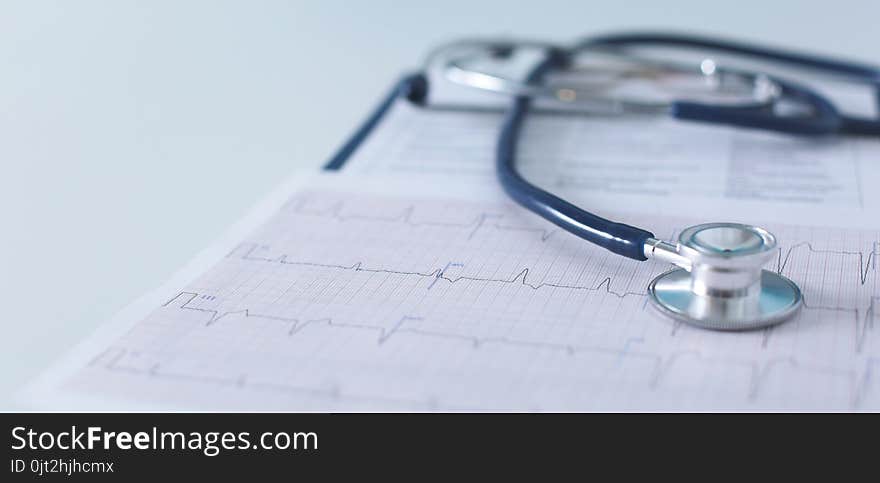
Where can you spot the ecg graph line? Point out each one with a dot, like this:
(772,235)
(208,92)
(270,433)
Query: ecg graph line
(862,322)
(760,373)
(297,325)
(865,261)
(663,366)
(520,278)
(442,272)
(858,381)
(758,377)
(385,333)
(405,217)
(863,318)
(244,382)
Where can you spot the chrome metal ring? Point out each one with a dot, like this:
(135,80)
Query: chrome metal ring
(593,96)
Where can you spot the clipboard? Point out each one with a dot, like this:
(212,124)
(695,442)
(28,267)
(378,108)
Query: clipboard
(412,87)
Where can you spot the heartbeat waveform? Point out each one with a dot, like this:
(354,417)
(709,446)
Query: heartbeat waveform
(663,366)
(242,381)
(863,318)
(406,217)
(762,374)
(865,262)
(758,377)
(384,333)
(520,278)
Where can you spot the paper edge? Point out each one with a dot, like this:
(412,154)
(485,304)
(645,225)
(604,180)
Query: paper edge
(43,392)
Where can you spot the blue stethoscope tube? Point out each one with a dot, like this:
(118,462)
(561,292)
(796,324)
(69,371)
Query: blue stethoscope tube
(630,241)
(844,124)
(825,118)
(620,238)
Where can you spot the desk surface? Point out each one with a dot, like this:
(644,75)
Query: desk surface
(132,134)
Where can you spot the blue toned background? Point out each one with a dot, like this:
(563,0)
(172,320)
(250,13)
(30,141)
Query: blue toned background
(133,133)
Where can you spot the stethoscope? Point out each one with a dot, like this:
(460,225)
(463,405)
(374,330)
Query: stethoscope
(719,282)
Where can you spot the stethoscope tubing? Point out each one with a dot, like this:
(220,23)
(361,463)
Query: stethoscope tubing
(630,241)
(824,118)
(855,71)
(619,238)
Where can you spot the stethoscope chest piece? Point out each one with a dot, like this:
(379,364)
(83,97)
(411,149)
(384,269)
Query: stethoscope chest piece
(721,284)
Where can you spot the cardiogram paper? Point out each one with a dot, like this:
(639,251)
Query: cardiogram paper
(383,293)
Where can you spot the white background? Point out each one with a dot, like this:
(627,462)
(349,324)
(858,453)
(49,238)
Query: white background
(133,133)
